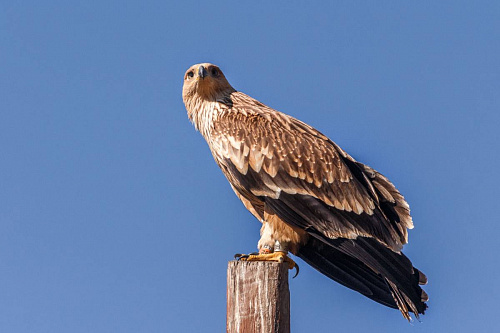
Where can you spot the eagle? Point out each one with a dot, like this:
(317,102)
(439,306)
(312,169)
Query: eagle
(313,199)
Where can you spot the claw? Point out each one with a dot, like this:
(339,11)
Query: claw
(240,256)
(291,265)
(296,271)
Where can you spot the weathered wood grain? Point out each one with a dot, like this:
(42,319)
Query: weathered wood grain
(258,298)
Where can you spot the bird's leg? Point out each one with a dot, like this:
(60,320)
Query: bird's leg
(280,254)
(266,241)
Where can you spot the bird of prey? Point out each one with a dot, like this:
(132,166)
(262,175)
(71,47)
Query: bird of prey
(340,216)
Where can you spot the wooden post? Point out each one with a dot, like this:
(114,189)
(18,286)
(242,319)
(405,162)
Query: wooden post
(258,298)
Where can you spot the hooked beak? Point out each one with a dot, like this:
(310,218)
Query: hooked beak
(202,72)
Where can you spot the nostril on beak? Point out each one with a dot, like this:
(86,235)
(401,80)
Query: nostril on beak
(202,72)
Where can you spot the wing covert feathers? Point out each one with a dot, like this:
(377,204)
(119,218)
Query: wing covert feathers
(267,153)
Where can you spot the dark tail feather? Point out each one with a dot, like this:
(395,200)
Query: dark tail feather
(365,265)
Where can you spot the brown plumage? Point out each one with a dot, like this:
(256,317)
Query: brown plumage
(339,215)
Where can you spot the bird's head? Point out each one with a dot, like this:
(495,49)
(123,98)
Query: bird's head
(206,82)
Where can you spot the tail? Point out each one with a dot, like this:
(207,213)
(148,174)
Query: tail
(365,265)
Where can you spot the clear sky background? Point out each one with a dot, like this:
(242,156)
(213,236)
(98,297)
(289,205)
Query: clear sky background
(113,215)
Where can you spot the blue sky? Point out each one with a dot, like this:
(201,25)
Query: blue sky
(113,215)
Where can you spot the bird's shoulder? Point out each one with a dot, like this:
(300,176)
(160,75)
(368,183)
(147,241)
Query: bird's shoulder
(241,112)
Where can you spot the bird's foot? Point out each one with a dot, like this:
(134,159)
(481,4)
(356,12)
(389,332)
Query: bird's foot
(275,256)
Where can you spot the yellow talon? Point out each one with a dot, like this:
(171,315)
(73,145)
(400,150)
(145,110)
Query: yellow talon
(275,256)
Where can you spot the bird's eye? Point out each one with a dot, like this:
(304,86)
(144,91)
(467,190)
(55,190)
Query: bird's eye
(215,72)
(190,74)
